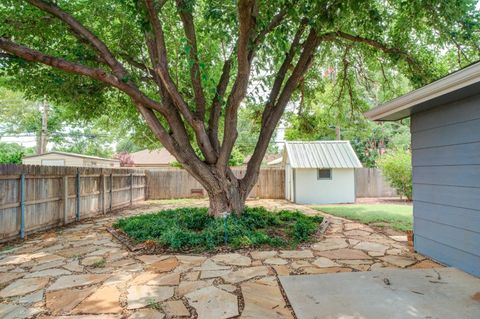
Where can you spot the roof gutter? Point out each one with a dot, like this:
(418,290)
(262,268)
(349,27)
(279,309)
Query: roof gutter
(445,85)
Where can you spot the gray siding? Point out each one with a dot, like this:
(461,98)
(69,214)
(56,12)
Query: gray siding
(446,178)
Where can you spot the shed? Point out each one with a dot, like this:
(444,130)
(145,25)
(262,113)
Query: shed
(56,158)
(320,172)
(445,127)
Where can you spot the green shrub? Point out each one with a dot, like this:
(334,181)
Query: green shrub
(192,229)
(397,169)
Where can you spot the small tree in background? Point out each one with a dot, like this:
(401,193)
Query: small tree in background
(12,153)
(397,168)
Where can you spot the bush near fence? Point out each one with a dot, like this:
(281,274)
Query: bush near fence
(34,198)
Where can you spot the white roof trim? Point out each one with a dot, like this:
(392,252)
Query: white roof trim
(455,81)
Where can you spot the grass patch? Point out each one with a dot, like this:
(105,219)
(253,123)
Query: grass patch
(398,217)
(100,263)
(192,229)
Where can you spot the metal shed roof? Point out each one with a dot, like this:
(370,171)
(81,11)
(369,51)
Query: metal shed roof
(322,154)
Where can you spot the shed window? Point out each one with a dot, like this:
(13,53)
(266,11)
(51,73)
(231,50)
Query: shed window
(324,173)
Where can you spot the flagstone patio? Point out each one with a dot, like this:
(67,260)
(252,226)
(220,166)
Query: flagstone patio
(82,270)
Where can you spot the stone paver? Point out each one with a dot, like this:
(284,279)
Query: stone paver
(104,300)
(232,259)
(211,302)
(263,299)
(163,265)
(324,262)
(10,311)
(263,254)
(344,253)
(330,243)
(296,254)
(82,272)
(143,296)
(245,273)
(147,314)
(275,261)
(175,308)
(63,301)
(54,272)
(399,261)
(188,286)
(22,287)
(9,277)
(76,281)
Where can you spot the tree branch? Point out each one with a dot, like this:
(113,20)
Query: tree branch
(271,117)
(275,22)
(70,67)
(161,68)
(80,30)
(378,45)
(246,16)
(195,76)
(216,108)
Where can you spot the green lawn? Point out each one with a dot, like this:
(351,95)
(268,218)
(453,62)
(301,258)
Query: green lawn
(398,217)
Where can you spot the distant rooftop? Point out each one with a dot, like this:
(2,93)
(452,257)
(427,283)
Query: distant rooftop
(321,154)
(74,155)
(152,157)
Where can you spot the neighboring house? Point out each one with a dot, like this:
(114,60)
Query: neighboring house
(69,159)
(270,160)
(320,172)
(152,158)
(445,127)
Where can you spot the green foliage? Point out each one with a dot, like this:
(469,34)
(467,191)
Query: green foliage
(439,35)
(329,106)
(398,217)
(12,153)
(193,229)
(397,168)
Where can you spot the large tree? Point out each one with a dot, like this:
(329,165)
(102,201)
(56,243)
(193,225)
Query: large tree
(186,65)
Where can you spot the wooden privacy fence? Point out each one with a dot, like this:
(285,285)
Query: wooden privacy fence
(34,198)
(178,183)
(370,182)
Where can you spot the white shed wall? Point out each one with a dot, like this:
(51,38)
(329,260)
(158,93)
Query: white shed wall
(310,190)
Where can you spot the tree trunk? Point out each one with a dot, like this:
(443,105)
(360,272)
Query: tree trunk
(230,200)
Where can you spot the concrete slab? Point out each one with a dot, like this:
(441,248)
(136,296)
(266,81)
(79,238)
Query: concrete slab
(387,293)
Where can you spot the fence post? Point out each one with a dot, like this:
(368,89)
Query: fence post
(103,190)
(65,199)
(111,192)
(131,189)
(78,195)
(22,206)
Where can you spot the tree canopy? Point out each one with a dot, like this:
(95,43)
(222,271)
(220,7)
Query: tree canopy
(185,67)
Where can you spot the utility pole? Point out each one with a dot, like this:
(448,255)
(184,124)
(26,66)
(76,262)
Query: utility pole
(338,136)
(43,140)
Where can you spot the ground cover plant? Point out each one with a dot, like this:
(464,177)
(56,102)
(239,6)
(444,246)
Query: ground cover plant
(398,217)
(193,229)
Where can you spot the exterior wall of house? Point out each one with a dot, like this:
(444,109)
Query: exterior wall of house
(311,190)
(446,183)
(65,160)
